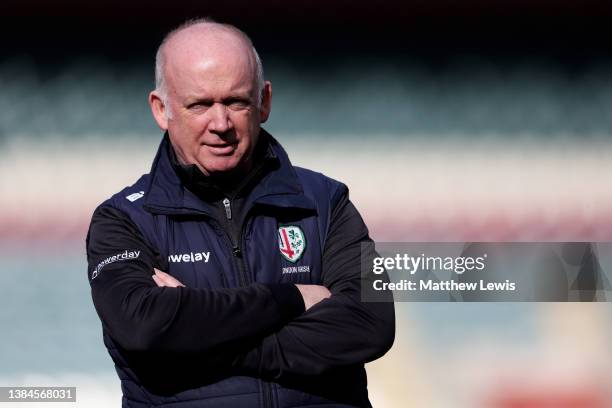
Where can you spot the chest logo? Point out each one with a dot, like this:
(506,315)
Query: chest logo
(189,257)
(291,242)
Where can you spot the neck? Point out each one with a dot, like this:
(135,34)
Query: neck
(227,182)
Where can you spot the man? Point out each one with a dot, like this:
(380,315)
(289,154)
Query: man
(226,276)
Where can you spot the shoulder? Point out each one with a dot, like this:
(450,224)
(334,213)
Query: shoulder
(316,184)
(129,198)
(126,204)
(125,209)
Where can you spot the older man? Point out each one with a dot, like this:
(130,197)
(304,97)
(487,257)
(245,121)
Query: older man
(226,276)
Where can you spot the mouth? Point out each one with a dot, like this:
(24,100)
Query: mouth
(221,149)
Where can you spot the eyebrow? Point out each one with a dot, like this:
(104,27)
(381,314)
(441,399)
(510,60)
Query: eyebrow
(195,99)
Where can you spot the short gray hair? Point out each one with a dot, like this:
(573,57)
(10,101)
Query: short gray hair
(160,82)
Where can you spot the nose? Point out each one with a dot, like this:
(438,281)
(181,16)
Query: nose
(219,118)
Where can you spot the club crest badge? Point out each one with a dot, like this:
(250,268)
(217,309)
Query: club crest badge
(291,242)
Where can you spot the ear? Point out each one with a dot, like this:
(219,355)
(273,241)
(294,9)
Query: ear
(266,102)
(159,110)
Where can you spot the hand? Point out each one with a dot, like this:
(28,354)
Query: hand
(162,279)
(313,294)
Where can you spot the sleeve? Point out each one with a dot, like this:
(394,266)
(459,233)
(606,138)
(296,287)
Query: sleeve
(140,316)
(341,330)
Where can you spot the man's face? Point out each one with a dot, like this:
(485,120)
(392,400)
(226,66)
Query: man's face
(212,110)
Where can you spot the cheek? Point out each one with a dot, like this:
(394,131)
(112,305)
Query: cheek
(246,124)
(195,123)
(187,127)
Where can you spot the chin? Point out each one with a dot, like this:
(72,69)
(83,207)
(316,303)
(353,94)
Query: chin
(220,165)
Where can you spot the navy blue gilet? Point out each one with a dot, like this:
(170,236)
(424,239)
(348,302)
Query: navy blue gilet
(163,209)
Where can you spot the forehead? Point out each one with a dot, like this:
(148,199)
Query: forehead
(208,63)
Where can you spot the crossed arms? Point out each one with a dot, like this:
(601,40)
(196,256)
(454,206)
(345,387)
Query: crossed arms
(269,330)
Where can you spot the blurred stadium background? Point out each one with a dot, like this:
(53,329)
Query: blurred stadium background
(449,121)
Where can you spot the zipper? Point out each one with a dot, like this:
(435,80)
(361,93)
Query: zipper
(228,208)
(267,394)
(244,279)
(243,276)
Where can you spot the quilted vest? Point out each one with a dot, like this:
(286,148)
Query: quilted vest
(180,227)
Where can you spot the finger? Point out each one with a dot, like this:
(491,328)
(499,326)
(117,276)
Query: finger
(168,280)
(158,281)
(162,279)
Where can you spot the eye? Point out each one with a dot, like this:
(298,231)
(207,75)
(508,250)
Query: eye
(237,104)
(199,106)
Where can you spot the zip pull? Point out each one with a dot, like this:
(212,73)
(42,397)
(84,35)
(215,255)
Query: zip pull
(228,208)
(237,252)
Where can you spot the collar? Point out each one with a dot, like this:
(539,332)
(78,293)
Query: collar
(168,194)
(216,187)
